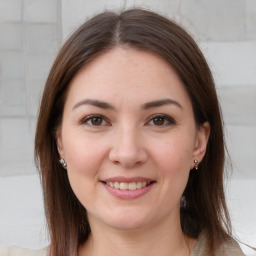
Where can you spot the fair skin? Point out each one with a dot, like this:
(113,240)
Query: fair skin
(143,139)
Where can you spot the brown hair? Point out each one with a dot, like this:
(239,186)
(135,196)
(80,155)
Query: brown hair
(205,206)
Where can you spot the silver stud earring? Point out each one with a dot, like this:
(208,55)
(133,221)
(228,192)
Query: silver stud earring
(183,202)
(63,163)
(196,164)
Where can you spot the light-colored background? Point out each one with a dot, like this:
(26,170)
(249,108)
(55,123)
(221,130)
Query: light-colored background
(32,31)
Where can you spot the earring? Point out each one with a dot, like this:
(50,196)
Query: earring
(196,164)
(63,163)
(183,202)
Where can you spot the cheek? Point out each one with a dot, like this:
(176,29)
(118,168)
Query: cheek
(174,163)
(174,155)
(84,160)
(83,155)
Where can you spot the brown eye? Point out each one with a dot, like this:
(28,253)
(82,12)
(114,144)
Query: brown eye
(159,120)
(96,121)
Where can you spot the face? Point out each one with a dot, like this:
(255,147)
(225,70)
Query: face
(129,139)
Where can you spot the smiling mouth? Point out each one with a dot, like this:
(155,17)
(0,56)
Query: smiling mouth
(128,185)
(128,188)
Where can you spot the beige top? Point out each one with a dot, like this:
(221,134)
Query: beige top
(231,248)
(228,249)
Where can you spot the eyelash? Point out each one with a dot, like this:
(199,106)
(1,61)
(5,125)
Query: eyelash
(90,118)
(167,120)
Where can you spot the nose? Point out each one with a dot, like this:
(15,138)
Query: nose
(127,148)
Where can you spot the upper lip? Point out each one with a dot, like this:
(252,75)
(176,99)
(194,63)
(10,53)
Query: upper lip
(127,179)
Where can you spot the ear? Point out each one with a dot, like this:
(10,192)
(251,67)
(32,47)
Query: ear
(201,141)
(58,138)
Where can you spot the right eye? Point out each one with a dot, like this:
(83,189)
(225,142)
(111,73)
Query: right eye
(161,120)
(94,120)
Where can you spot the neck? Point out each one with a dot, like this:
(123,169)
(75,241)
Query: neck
(156,240)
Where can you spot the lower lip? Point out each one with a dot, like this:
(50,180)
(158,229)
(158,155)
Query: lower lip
(128,194)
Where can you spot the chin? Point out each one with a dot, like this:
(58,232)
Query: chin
(127,226)
(127,221)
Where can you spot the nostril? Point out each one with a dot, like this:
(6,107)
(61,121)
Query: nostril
(128,157)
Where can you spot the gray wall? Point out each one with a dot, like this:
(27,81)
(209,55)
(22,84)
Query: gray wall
(30,33)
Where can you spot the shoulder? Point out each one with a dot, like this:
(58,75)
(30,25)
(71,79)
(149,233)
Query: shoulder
(229,248)
(18,251)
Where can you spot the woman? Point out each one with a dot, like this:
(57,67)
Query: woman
(129,143)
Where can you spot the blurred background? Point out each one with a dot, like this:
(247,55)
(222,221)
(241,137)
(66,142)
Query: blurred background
(32,31)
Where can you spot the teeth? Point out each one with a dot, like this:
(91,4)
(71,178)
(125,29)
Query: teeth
(132,186)
(139,185)
(116,184)
(124,186)
(128,186)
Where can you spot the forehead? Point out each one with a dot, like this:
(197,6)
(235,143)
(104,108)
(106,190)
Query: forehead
(126,59)
(126,73)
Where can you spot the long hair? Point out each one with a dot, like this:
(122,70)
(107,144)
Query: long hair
(205,205)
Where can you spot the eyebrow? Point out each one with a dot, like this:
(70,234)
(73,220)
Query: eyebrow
(96,103)
(159,103)
(148,105)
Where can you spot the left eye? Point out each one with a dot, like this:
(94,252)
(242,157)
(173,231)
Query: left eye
(94,120)
(161,120)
